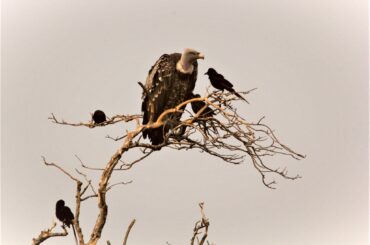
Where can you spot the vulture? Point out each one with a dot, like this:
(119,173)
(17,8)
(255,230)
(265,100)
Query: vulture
(170,81)
(219,82)
(65,215)
(99,117)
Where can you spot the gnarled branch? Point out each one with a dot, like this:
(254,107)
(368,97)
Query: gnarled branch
(46,234)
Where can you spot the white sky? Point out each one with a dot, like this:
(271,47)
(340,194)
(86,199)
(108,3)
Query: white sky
(308,59)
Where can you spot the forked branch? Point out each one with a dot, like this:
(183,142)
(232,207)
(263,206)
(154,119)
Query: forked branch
(48,233)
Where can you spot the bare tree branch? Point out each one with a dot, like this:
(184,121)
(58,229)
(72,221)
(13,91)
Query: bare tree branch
(128,231)
(46,234)
(119,183)
(200,225)
(90,124)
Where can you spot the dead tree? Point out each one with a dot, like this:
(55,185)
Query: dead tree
(228,136)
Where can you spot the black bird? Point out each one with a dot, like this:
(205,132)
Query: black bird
(65,215)
(196,106)
(218,81)
(99,117)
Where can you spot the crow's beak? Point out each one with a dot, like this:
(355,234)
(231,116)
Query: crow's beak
(206,73)
(201,56)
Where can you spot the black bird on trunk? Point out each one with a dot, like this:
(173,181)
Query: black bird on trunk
(99,117)
(218,81)
(65,215)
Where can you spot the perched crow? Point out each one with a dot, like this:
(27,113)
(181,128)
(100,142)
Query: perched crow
(196,106)
(64,213)
(218,81)
(99,117)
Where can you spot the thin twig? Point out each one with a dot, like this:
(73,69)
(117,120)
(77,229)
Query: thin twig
(128,231)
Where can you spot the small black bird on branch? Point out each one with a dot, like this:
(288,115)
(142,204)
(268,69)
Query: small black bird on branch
(65,215)
(99,117)
(196,106)
(219,82)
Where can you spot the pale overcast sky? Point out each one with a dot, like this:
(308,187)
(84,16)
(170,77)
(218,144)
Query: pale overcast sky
(308,59)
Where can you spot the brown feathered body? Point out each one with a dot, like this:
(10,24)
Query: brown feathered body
(165,88)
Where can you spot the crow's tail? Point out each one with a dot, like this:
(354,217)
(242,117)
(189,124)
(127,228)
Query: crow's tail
(74,233)
(237,94)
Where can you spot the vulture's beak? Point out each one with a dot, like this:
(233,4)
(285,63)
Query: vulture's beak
(201,56)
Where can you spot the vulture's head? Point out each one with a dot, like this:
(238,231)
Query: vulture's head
(191,55)
(188,57)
